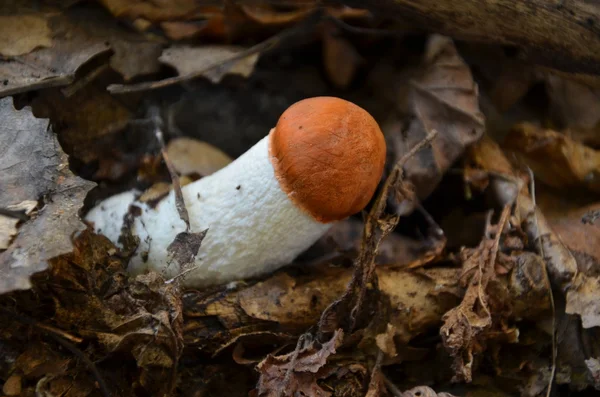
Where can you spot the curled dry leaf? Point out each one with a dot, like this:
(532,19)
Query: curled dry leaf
(34,168)
(22,34)
(296,373)
(445,99)
(556,159)
(212,62)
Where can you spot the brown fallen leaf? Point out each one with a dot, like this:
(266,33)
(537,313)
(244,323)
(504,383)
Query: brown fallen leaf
(573,105)
(424,391)
(34,168)
(22,34)
(141,316)
(507,188)
(190,60)
(283,302)
(340,58)
(151,10)
(445,99)
(90,132)
(78,35)
(191,156)
(555,159)
(583,296)
(296,373)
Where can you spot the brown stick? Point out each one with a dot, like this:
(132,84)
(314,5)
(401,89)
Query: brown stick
(562,34)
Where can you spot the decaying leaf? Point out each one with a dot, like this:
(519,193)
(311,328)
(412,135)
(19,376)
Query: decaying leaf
(340,58)
(52,66)
(420,298)
(445,99)
(424,391)
(87,133)
(573,104)
(344,238)
(9,221)
(22,34)
(296,373)
(78,35)
(556,159)
(464,324)
(141,316)
(193,60)
(583,296)
(150,10)
(191,156)
(34,168)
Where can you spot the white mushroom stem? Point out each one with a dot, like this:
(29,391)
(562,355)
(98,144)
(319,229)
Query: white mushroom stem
(253,226)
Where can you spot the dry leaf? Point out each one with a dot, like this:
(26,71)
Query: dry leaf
(445,99)
(340,58)
(297,373)
(344,238)
(385,341)
(8,224)
(191,156)
(573,104)
(424,391)
(295,303)
(33,167)
(583,296)
(152,10)
(464,325)
(193,60)
(555,159)
(90,132)
(79,34)
(139,317)
(22,34)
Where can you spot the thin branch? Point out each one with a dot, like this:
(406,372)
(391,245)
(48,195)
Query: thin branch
(541,252)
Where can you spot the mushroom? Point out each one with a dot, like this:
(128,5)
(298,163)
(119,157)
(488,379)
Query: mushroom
(320,164)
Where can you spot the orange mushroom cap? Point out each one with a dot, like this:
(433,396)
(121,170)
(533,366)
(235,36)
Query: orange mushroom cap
(328,155)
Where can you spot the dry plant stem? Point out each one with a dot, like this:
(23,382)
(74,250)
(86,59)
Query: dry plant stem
(391,387)
(560,34)
(305,26)
(542,255)
(288,375)
(91,366)
(376,371)
(63,338)
(179,203)
(370,242)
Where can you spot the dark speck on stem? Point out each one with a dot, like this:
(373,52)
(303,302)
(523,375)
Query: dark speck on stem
(238,187)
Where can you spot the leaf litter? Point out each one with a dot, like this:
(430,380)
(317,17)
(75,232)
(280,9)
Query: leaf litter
(400,299)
